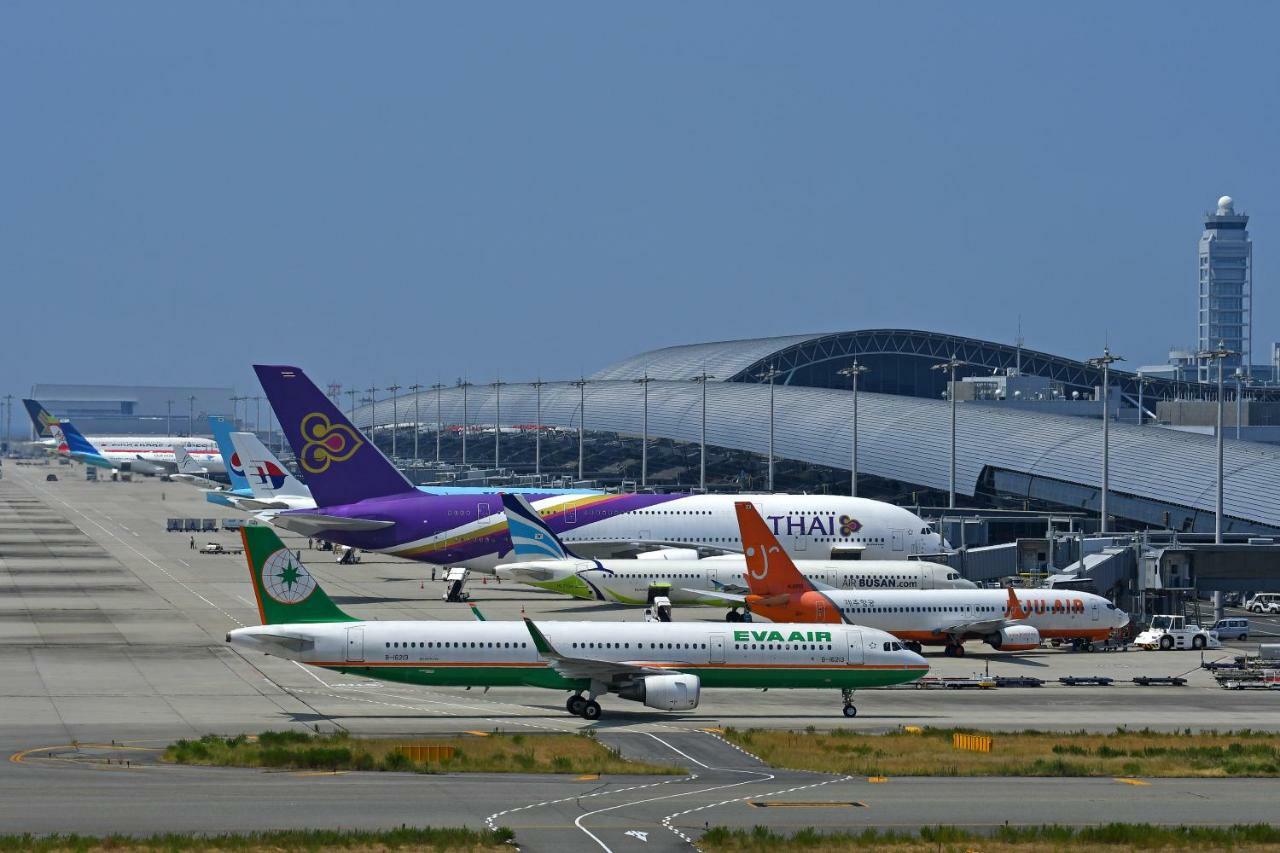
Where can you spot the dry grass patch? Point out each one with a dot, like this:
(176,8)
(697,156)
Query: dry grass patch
(1028,753)
(283,841)
(947,839)
(497,753)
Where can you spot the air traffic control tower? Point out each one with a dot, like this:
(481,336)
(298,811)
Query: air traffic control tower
(1226,289)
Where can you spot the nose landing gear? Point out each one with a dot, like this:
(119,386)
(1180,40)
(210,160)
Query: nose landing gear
(847,695)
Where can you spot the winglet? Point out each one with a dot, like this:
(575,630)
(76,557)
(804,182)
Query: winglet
(540,642)
(476,611)
(769,569)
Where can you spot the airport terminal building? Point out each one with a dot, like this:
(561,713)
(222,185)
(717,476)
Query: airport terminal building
(135,409)
(1028,430)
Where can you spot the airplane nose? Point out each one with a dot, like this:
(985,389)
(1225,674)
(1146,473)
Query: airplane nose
(914,660)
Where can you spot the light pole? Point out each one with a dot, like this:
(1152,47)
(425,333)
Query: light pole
(496,385)
(466,422)
(1219,355)
(191,413)
(768,376)
(351,408)
(1105,361)
(853,371)
(701,379)
(644,432)
(438,387)
(1240,380)
(373,409)
(235,411)
(581,385)
(8,419)
(537,436)
(395,416)
(950,365)
(1143,382)
(168,417)
(415,388)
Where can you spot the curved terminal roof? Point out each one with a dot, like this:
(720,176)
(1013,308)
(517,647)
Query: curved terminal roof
(722,359)
(1153,470)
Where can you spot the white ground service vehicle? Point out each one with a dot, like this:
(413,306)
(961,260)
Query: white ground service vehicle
(1264,602)
(1173,632)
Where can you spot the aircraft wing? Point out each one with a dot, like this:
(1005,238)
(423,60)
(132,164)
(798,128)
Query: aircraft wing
(287,641)
(311,523)
(732,597)
(625,548)
(584,667)
(981,626)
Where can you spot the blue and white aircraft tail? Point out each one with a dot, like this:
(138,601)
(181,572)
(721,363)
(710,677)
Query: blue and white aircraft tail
(531,538)
(273,485)
(221,428)
(79,447)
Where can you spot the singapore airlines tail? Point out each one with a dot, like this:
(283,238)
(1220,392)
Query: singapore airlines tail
(40,418)
(286,592)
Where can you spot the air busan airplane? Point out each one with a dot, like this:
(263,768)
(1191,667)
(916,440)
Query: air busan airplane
(365,502)
(1008,620)
(546,562)
(664,665)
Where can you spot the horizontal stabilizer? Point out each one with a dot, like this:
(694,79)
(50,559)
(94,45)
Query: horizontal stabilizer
(311,523)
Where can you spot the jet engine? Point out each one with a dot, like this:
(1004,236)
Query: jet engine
(665,692)
(1015,638)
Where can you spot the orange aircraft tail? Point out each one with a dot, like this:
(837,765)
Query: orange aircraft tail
(770,571)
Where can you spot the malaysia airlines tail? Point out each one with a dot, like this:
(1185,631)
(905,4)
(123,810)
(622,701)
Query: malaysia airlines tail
(221,428)
(268,479)
(342,465)
(531,538)
(40,418)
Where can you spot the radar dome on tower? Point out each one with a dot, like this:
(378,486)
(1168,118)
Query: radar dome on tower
(1225,206)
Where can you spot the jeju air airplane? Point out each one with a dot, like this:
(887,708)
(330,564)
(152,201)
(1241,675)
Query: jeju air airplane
(544,561)
(363,501)
(1007,620)
(663,665)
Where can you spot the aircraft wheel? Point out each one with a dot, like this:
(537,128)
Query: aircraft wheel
(850,711)
(949,651)
(733,616)
(591,710)
(575,705)
(959,651)
(1088,645)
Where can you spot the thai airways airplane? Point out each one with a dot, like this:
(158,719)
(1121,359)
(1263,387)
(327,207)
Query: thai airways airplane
(547,563)
(1007,620)
(127,450)
(664,665)
(149,456)
(363,501)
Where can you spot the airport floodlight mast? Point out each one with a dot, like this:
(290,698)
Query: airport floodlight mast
(373,410)
(496,385)
(853,371)
(395,416)
(1219,355)
(537,436)
(415,388)
(235,410)
(438,387)
(191,414)
(168,417)
(702,379)
(466,419)
(1241,381)
(1105,361)
(950,366)
(351,407)
(581,385)
(1143,383)
(769,376)
(644,431)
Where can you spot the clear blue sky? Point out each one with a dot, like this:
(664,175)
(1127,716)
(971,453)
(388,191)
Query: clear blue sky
(397,192)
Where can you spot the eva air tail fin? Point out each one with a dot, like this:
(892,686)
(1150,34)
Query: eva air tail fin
(286,592)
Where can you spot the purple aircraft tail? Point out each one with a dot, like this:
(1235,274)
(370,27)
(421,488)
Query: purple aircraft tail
(341,465)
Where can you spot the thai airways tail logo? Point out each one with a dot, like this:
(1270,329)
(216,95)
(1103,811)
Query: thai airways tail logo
(326,443)
(269,474)
(236,467)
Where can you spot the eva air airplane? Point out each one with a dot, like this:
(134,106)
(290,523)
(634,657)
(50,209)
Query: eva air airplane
(664,665)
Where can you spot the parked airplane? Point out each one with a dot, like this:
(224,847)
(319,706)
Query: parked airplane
(365,502)
(544,561)
(272,485)
(125,450)
(145,456)
(662,664)
(1007,620)
(190,471)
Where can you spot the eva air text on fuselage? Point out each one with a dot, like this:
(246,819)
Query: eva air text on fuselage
(777,637)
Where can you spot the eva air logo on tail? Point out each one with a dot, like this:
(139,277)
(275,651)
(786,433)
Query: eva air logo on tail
(285,579)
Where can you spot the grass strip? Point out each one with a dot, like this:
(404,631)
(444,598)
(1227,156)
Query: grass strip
(496,753)
(929,752)
(278,841)
(1007,839)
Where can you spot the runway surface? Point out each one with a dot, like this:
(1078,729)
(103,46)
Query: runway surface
(112,629)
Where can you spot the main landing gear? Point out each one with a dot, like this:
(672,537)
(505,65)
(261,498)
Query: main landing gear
(736,615)
(847,695)
(954,650)
(588,709)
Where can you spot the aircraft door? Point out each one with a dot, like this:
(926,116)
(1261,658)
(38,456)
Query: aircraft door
(482,511)
(717,648)
(897,540)
(855,647)
(571,514)
(355,644)
(822,610)
(1093,611)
